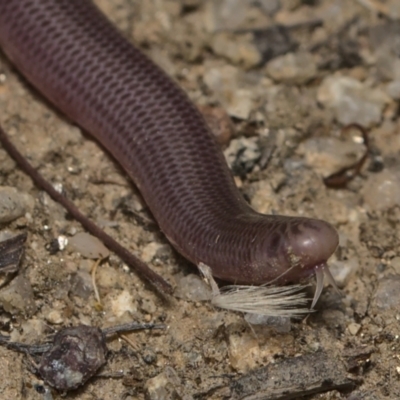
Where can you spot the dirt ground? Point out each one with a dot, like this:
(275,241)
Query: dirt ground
(288,75)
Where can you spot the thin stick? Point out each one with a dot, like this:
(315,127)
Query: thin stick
(135,263)
(93,274)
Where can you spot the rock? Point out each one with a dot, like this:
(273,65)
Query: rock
(153,250)
(342,271)
(106,277)
(81,285)
(54,317)
(31,331)
(219,122)
(123,302)
(288,106)
(334,318)
(243,352)
(393,7)
(238,15)
(192,287)
(278,324)
(238,49)
(393,89)
(148,306)
(387,294)
(13,204)
(225,14)
(385,39)
(292,68)
(327,155)
(18,297)
(242,154)
(273,41)
(395,263)
(352,101)
(164,386)
(269,6)
(224,82)
(382,190)
(88,246)
(354,328)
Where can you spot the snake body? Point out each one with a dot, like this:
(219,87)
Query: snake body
(77,59)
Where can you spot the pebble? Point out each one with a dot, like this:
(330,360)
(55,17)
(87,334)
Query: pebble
(269,6)
(164,386)
(31,330)
(242,154)
(223,81)
(238,15)
(354,328)
(384,39)
(54,317)
(225,14)
(148,306)
(192,287)
(265,198)
(387,294)
(292,68)
(333,318)
(149,356)
(219,122)
(241,104)
(278,324)
(273,41)
(153,250)
(352,101)
(364,394)
(342,271)
(243,352)
(393,7)
(76,354)
(327,155)
(238,49)
(382,190)
(81,285)
(393,90)
(123,302)
(18,297)
(13,204)
(395,263)
(62,242)
(88,246)
(108,277)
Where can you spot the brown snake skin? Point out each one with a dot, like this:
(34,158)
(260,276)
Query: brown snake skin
(72,54)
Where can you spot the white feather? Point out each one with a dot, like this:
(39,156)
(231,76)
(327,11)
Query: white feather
(287,301)
(275,301)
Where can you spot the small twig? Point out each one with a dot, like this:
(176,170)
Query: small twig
(130,342)
(34,349)
(29,349)
(342,177)
(138,265)
(130,327)
(93,275)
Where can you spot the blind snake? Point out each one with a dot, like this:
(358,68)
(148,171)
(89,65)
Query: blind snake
(76,58)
